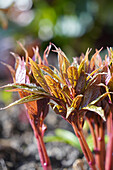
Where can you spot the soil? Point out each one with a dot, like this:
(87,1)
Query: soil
(18,149)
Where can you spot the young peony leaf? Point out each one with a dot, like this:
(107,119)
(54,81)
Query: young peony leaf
(81,83)
(53,85)
(107,89)
(94,72)
(110,83)
(96,79)
(81,67)
(76,101)
(69,111)
(45,55)
(100,98)
(20,76)
(95,109)
(38,75)
(59,109)
(92,91)
(51,73)
(72,75)
(23,100)
(96,60)
(30,88)
(65,92)
(63,63)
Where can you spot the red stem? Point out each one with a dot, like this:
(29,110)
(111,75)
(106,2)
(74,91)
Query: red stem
(101,145)
(94,139)
(109,150)
(43,153)
(44,159)
(84,146)
(98,155)
(109,154)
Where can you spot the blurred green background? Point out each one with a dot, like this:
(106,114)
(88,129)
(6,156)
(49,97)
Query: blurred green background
(74,25)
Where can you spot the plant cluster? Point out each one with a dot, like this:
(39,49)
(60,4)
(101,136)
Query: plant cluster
(79,91)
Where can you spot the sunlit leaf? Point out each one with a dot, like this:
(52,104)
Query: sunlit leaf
(46,53)
(20,76)
(26,53)
(37,55)
(95,109)
(51,72)
(30,88)
(69,111)
(76,101)
(81,67)
(25,100)
(63,62)
(93,72)
(65,92)
(72,75)
(38,75)
(53,85)
(59,109)
(100,98)
(86,58)
(106,88)
(110,83)
(96,60)
(96,79)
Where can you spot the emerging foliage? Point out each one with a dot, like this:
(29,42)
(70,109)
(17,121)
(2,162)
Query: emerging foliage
(79,91)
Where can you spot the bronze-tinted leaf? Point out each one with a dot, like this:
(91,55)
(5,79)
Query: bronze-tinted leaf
(110,83)
(94,72)
(92,91)
(46,53)
(51,72)
(76,101)
(96,79)
(81,83)
(72,75)
(66,94)
(69,111)
(53,85)
(25,99)
(96,61)
(95,109)
(100,98)
(30,88)
(37,55)
(38,75)
(63,62)
(58,109)
(81,67)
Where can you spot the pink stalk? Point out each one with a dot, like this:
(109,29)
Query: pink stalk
(43,153)
(44,159)
(109,150)
(84,146)
(109,154)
